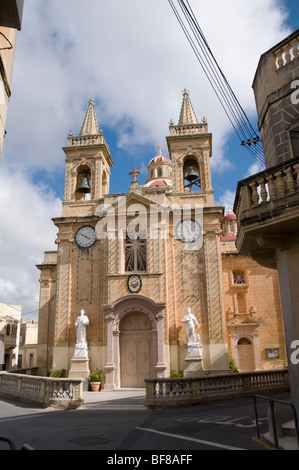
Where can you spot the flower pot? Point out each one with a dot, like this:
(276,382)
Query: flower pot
(95,386)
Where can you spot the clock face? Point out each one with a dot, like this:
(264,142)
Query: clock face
(86,237)
(188,231)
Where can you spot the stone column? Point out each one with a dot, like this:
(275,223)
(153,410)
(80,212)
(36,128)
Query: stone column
(160,366)
(110,365)
(287,266)
(217,346)
(60,350)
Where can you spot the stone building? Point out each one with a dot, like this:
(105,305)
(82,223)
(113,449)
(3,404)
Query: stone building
(27,358)
(136,262)
(10,22)
(10,321)
(267,203)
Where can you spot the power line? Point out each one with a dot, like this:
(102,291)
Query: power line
(228,100)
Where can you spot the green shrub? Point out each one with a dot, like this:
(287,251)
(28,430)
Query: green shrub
(96,375)
(232,366)
(176,373)
(61,374)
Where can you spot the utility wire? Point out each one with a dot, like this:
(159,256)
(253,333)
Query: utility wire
(228,100)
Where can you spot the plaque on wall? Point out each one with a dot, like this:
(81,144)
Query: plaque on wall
(134,283)
(272,353)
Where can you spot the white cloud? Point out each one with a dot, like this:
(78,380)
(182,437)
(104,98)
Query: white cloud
(26,232)
(253,169)
(134,60)
(227,200)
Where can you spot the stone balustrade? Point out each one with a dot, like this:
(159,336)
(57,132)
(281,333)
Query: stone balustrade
(287,53)
(169,392)
(189,129)
(85,140)
(47,391)
(267,186)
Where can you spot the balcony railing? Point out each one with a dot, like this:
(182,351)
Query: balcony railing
(287,52)
(267,186)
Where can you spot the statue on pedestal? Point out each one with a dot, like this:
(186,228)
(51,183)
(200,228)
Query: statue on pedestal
(81,348)
(192,338)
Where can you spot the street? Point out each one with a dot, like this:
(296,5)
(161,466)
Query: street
(220,426)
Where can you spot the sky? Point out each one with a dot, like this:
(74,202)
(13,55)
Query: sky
(133,59)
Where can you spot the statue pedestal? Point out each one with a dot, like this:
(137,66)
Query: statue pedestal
(79,368)
(193,366)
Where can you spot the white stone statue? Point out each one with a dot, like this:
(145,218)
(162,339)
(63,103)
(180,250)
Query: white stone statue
(193,339)
(81,348)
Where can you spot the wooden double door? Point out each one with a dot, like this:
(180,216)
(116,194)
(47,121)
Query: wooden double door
(136,362)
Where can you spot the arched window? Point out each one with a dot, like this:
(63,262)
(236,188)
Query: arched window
(159,172)
(244,341)
(294,136)
(83,186)
(135,254)
(191,175)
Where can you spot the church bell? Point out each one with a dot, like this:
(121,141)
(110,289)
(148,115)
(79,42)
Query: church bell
(84,185)
(191,175)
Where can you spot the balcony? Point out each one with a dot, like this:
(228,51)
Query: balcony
(11,13)
(10,341)
(287,51)
(267,211)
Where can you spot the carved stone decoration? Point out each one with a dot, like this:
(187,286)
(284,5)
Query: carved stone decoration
(81,347)
(192,338)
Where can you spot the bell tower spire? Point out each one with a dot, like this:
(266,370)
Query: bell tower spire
(88,163)
(190,149)
(90,124)
(187,115)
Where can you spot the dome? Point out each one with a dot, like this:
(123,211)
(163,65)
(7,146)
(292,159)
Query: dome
(229,217)
(160,159)
(161,182)
(229,237)
(229,227)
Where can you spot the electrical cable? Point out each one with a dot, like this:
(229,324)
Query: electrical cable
(228,100)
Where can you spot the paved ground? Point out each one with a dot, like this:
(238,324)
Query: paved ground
(118,422)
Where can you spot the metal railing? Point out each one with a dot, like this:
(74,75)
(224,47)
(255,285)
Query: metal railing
(272,402)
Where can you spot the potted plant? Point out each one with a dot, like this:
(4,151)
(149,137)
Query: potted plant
(96,376)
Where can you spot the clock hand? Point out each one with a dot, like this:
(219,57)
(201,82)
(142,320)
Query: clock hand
(85,236)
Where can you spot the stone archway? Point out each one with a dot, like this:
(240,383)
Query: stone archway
(141,307)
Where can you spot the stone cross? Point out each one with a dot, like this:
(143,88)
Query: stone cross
(134,173)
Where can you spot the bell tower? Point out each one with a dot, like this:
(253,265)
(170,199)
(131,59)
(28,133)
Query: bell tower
(190,149)
(88,163)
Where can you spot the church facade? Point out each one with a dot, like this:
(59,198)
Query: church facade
(137,262)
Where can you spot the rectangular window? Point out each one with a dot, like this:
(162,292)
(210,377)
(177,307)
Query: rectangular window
(239,277)
(135,254)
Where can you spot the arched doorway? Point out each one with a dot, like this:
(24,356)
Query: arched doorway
(135,347)
(135,350)
(245,355)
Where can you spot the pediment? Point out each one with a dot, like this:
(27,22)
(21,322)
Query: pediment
(124,201)
(244,320)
